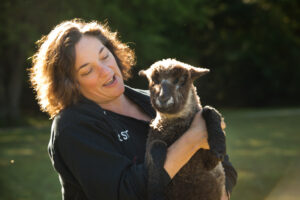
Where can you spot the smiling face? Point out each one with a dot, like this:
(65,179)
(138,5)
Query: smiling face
(96,70)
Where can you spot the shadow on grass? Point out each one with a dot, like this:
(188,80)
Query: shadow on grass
(26,170)
(261,148)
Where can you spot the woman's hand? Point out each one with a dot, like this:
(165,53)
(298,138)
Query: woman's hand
(223,124)
(198,132)
(190,142)
(184,148)
(225,196)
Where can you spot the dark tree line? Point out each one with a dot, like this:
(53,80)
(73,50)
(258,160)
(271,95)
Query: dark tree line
(251,46)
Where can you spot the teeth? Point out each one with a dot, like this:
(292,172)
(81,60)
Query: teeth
(110,81)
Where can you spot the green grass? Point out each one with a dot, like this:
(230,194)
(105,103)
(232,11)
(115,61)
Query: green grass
(26,171)
(262,144)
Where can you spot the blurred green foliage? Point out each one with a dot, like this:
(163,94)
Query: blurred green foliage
(252,47)
(263,145)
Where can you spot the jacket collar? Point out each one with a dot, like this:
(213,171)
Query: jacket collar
(141,98)
(138,96)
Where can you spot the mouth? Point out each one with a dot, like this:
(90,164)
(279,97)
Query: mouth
(165,107)
(165,110)
(110,81)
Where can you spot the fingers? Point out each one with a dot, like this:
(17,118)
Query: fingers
(223,124)
(204,144)
(198,122)
(199,131)
(225,195)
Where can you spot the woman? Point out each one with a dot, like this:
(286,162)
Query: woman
(100,126)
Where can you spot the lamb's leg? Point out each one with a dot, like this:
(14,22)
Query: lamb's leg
(216,136)
(155,159)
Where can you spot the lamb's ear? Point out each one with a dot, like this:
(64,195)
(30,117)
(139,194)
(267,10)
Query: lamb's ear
(144,73)
(196,72)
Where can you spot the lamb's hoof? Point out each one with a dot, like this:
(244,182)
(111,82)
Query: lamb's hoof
(211,160)
(211,165)
(209,112)
(158,150)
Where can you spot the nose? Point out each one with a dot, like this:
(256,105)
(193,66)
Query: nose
(104,70)
(164,94)
(163,99)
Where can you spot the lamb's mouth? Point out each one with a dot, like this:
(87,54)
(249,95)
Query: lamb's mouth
(166,107)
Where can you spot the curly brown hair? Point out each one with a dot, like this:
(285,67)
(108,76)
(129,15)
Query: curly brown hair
(53,73)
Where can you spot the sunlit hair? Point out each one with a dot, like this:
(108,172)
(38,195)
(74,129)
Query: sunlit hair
(53,72)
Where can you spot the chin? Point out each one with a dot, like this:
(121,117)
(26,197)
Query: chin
(166,110)
(121,83)
(118,89)
(122,88)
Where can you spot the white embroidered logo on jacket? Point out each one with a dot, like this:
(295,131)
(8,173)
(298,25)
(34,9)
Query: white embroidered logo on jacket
(123,136)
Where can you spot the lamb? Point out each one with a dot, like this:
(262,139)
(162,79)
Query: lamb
(176,102)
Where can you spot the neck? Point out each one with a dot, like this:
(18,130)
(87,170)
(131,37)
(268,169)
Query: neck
(124,106)
(117,105)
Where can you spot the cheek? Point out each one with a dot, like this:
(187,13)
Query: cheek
(113,62)
(182,94)
(88,84)
(154,92)
(155,89)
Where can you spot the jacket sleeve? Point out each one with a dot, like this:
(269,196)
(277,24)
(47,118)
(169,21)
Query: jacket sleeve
(230,174)
(99,167)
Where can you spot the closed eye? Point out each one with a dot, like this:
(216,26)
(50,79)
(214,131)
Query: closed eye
(105,57)
(104,51)
(87,72)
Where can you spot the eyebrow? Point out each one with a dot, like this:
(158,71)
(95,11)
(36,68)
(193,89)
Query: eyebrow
(100,51)
(102,48)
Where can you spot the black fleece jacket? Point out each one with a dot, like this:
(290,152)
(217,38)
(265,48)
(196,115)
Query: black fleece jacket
(99,154)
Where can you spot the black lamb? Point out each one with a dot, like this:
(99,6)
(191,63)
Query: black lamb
(176,102)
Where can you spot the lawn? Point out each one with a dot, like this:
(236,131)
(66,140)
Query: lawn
(264,145)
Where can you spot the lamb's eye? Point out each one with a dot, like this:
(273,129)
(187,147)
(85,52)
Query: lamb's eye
(176,80)
(155,80)
(182,81)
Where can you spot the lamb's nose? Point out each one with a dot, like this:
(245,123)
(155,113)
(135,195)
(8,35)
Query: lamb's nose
(163,99)
(165,93)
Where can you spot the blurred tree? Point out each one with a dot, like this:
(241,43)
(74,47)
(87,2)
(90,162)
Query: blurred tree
(252,47)
(22,23)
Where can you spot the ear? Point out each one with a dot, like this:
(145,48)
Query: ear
(144,73)
(197,72)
